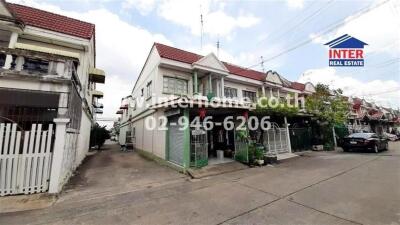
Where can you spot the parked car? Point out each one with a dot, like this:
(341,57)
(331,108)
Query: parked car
(391,137)
(367,141)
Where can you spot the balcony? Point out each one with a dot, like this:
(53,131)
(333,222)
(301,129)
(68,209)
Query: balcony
(98,105)
(98,111)
(97,94)
(97,75)
(37,65)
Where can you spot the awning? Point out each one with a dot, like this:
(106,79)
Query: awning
(97,75)
(97,93)
(47,50)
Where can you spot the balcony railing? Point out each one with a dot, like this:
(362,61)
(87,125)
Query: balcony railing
(38,64)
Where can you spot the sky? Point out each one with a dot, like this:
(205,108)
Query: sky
(289,35)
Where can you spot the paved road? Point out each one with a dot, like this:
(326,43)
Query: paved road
(316,188)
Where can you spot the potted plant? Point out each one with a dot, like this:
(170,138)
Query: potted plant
(270,158)
(259,154)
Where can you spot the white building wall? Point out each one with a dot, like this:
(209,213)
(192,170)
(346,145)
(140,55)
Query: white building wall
(159,138)
(83,138)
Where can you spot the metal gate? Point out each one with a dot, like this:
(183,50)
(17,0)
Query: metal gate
(198,148)
(25,159)
(175,141)
(275,140)
(300,138)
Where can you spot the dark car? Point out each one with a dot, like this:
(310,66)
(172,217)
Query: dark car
(365,141)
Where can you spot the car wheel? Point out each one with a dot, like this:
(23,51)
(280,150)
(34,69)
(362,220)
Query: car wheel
(376,149)
(345,149)
(386,146)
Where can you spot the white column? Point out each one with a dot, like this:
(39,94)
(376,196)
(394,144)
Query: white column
(222,88)
(263,90)
(62,104)
(58,153)
(270,92)
(334,137)
(11,44)
(288,134)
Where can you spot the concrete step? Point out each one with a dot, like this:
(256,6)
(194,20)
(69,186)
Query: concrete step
(212,170)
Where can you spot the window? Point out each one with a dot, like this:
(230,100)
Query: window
(250,95)
(149,89)
(230,92)
(173,85)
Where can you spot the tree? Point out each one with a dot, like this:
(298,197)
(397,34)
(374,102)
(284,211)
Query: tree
(327,105)
(98,135)
(330,107)
(282,108)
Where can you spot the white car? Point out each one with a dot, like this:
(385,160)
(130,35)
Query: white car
(391,137)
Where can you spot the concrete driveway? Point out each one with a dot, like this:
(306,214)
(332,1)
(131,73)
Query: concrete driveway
(316,188)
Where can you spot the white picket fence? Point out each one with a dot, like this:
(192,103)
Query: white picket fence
(27,169)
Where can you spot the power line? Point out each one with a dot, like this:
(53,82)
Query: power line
(304,21)
(384,92)
(285,24)
(361,12)
(334,26)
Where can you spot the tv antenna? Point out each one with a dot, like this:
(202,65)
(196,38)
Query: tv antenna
(201,29)
(262,64)
(218,47)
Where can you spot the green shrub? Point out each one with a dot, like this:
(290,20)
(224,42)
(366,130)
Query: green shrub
(98,135)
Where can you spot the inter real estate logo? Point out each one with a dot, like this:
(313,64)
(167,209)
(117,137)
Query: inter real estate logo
(346,51)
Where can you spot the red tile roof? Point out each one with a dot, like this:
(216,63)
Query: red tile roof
(180,55)
(50,21)
(298,86)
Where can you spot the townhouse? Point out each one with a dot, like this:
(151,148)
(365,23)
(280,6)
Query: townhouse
(365,116)
(176,88)
(48,97)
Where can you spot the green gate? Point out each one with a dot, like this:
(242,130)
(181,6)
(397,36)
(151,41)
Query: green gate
(241,146)
(300,139)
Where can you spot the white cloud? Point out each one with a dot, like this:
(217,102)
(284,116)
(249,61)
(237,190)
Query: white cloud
(121,50)
(382,92)
(379,28)
(216,22)
(144,7)
(295,4)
